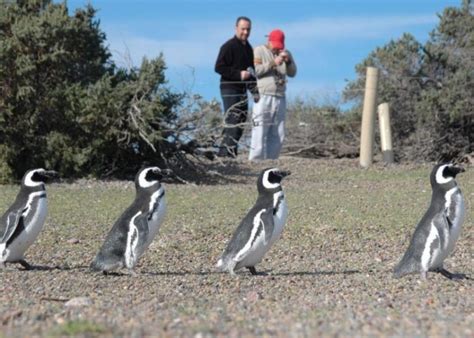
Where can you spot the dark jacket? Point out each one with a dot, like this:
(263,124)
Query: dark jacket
(234,56)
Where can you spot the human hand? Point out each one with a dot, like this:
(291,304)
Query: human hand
(278,60)
(244,75)
(256,97)
(284,54)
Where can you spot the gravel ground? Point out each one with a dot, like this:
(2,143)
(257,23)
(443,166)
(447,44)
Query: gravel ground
(329,275)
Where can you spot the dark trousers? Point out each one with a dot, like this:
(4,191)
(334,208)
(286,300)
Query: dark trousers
(235,109)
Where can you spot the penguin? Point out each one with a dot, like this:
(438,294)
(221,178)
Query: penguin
(436,234)
(138,225)
(260,228)
(21,224)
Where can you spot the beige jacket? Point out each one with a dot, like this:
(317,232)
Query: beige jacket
(271,79)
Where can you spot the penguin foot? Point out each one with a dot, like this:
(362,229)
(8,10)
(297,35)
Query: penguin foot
(110,273)
(26,265)
(254,271)
(451,275)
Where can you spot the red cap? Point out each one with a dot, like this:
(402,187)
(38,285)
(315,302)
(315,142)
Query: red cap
(277,38)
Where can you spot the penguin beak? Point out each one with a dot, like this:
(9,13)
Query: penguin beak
(166,172)
(283,174)
(51,174)
(162,172)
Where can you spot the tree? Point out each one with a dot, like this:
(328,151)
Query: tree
(447,100)
(64,104)
(429,88)
(400,66)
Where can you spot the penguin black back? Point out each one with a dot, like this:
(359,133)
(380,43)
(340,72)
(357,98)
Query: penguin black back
(260,227)
(439,228)
(135,228)
(24,219)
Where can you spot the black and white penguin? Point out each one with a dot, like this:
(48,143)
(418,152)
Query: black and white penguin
(21,224)
(260,228)
(436,234)
(135,229)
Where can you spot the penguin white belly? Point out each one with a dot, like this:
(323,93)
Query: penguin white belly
(32,229)
(457,222)
(437,258)
(255,253)
(279,220)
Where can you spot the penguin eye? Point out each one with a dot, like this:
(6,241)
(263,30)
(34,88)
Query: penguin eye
(447,172)
(37,177)
(273,177)
(151,175)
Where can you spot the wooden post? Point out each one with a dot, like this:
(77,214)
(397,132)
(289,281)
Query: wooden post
(385,132)
(368,118)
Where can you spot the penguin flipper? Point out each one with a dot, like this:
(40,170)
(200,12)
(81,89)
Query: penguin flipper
(261,235)
(13,220)
(268,225)
(141,223)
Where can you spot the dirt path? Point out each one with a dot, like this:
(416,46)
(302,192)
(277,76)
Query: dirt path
(330,274)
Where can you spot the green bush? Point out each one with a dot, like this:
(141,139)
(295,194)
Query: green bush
(65,106)
(429,88)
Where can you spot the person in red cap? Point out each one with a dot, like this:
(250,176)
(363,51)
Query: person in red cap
(273,63)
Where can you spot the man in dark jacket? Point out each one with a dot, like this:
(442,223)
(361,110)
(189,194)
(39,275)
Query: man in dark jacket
(235,65)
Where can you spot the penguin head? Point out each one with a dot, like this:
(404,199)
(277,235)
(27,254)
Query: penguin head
(443,174)
(270,179)
(150,177)
(38,177)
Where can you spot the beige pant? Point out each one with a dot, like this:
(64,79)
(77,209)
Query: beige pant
(268,128)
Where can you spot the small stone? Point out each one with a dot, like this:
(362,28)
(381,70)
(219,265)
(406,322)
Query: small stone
(78,301)
(11,316)
(73,241)
(59,319)
(253,296)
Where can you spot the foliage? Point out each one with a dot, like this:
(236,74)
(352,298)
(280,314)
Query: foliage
(64,105)
(429,87)
(77,327)
(320,130)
